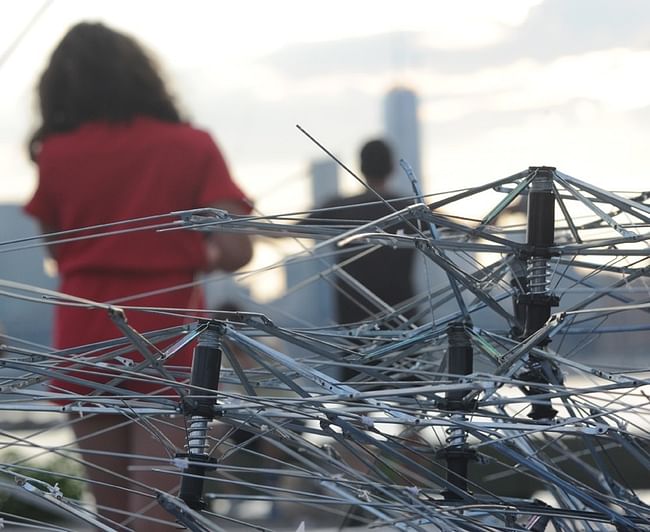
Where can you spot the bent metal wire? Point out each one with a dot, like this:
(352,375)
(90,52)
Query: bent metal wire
(548,311)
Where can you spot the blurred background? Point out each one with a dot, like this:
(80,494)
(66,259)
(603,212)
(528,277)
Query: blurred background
(469,91)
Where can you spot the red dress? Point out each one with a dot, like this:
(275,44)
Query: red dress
(102,173)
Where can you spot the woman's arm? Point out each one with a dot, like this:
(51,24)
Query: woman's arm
(228,251)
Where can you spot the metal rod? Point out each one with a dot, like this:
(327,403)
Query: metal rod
(460,362)
(206,367)
(540,236)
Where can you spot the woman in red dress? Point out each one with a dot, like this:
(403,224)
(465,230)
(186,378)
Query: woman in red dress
(112,146)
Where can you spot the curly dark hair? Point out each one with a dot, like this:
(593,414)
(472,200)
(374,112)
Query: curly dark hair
(96,73)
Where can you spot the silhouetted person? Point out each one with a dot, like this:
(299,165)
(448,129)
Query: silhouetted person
(386,272)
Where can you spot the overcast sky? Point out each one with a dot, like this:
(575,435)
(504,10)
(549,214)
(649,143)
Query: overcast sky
(503,85)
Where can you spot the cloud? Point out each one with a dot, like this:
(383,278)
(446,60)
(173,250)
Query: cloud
(580,137)
(359,55)
(553,29)
(559,28)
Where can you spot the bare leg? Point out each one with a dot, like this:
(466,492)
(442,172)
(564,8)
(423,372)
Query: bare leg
(104,443)
(157,438)
(119,455)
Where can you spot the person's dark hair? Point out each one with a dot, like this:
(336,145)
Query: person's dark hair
(96,73)
(376,160)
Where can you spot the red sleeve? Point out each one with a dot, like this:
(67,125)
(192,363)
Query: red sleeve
(216,184)
(43,205)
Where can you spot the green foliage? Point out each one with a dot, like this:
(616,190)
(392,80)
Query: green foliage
(54,470)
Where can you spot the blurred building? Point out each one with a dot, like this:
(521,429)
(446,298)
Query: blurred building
(402,129)
(324,180)
(313,303)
